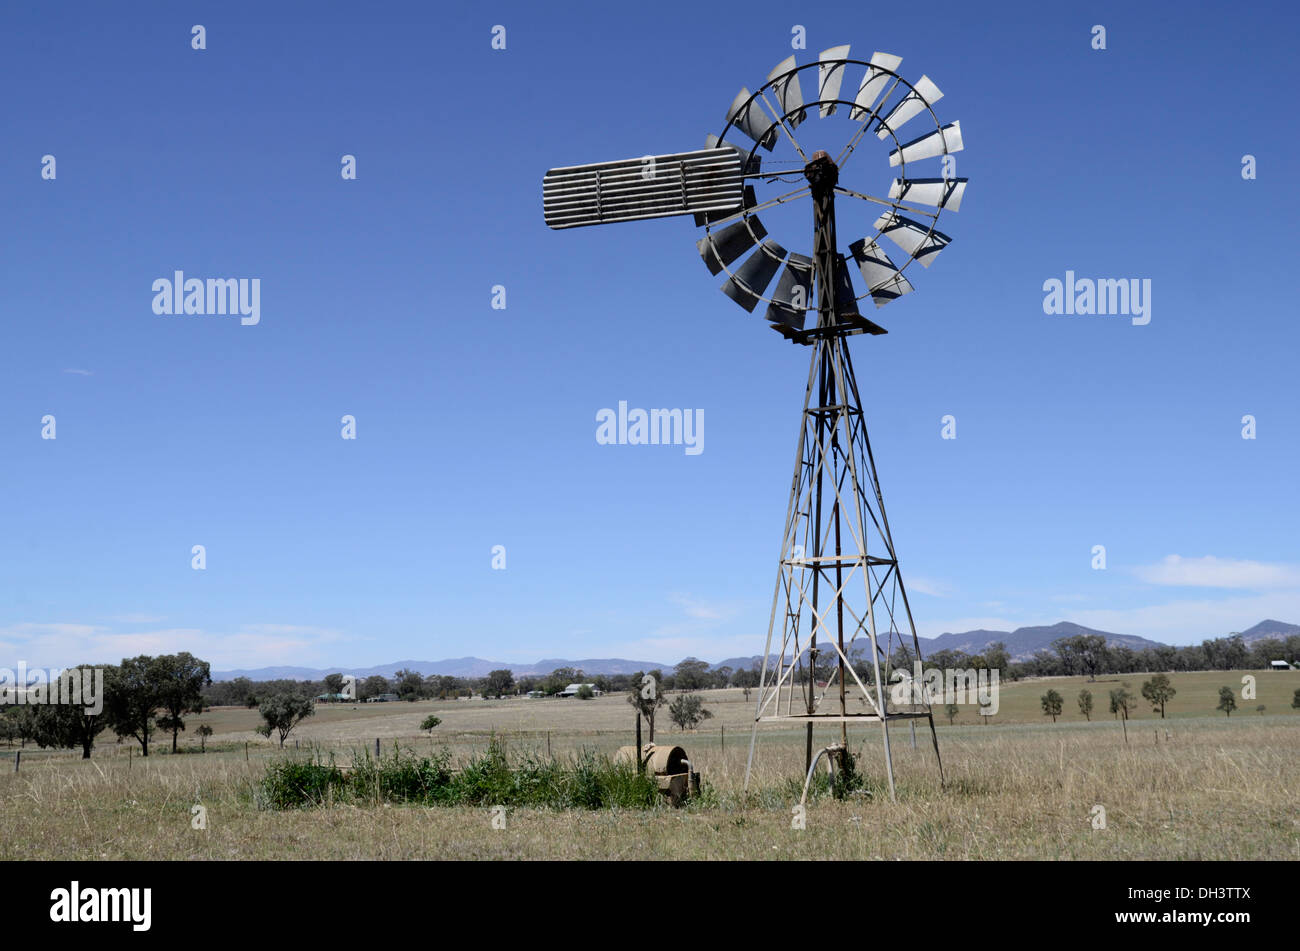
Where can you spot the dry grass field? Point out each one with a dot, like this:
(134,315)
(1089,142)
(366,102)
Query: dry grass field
(1198,786)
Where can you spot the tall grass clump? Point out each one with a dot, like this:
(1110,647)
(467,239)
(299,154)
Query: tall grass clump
(587,781)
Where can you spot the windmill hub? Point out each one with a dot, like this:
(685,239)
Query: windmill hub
(822,173)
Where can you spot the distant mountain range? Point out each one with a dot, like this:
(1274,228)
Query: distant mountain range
(1021,643)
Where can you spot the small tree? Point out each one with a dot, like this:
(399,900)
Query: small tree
(499,682)
(282,713)
(204,731)
(429,722)
(1260,709)
(585,692)
(1158,691)
(1227,701)
(65,725)
(133,692)
(646,694)
(1295,701)
(951,711)
(687,710)
(1052,703)
(1085,704)
(181,679)
(1120,701)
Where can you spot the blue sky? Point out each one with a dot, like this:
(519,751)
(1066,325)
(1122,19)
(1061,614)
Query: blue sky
(476,427)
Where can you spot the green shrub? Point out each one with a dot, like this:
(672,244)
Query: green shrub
(589,781)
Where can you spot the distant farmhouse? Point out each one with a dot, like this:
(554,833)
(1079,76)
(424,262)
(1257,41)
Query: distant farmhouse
(572,690)
(383,698)
(1280,665)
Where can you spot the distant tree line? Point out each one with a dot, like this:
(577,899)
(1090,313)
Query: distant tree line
(691,674)
(1082,654)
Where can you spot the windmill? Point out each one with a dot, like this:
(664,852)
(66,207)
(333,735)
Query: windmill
(839,593)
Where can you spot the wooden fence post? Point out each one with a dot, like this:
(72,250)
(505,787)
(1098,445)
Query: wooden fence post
(18,758)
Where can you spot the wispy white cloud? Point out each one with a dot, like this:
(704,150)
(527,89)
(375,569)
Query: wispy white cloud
(918,584)
(80,372)
(1212,572)
(249,645)
(703,610)
(1193,620)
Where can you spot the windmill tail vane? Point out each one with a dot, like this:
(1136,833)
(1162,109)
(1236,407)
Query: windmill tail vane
(838,578)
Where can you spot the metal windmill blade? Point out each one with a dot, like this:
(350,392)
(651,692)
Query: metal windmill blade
(876,80)
(793,293)
(916,239)
(921,97)
(942,141)
(789,94)
(721,248)
(749,282)
(936,192)
(830,74)
(884,281)
(747,115)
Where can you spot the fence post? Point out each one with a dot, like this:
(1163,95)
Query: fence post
(245,751)
(18,758)
(724,739)
(376,747)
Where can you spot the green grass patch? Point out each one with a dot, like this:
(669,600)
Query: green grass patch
(586,780)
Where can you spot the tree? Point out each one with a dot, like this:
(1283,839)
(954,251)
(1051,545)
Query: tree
(429,722)
(133,692)
(410,684)
(333,683)
(1158,691)
(443,686)
(282,713)
(691,674)
(1295,701)
(584,692)
(181,679)
(951,711)
(372,686)
(1052,703)
(687,710)
(1085,704)
(1260,709)
(499,682)
(1120,701)
(1227,701)
(646,695)
(204,731)
(65,725)
(996,656)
